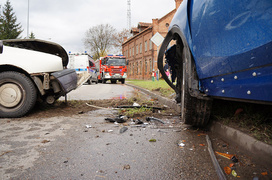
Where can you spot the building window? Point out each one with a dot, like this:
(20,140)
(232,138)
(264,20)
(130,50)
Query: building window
(140,67)
(130,52)
(150,44)
(136,49)
(137,70)
(145,66)
(141,48)
(133,51)
(133,70)
(145,46)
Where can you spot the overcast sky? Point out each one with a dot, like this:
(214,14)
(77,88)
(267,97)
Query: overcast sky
(66,21)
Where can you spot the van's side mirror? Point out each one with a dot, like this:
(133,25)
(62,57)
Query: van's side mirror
(127,62)
(1,47)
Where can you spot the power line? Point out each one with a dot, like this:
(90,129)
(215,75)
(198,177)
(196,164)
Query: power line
(128,14)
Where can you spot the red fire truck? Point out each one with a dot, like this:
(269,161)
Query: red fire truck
(113,68)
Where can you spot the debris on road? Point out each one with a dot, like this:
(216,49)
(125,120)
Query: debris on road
(152,140)
(88,126)
(143,106)
(95,106)
(154,119)
(118,119)
(234,173)
(218,169)
(45,141)
(228,156)
(123,129)
(127,166)
(5,153)
(227,170)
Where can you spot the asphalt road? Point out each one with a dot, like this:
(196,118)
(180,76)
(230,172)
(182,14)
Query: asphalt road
(100,91)
(85,146)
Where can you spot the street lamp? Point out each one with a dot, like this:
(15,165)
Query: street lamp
(27,20)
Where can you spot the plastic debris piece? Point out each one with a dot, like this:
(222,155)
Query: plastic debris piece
(264,173)
(154,119)
(181,144)
(110,120)
(231,165)
(234,159)
(136,104)
(201,134)
(88,126)
(234,173)
(228,156)
(138,121)
(152,140)
(110,130)
(123,129)
(119,119)
(227,170)
(202,145)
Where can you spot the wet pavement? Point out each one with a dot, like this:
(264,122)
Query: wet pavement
(100,91)
(64,148)
(85,146)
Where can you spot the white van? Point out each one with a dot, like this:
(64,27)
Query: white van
(83,62)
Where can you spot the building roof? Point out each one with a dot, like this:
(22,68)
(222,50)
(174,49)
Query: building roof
(144,24)
(143,27)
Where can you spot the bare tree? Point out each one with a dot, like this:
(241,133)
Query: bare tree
(99,39)
(119,39)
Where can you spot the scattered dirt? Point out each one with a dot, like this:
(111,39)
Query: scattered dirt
(60,108)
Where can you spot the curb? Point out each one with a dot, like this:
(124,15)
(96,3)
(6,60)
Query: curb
(260,151)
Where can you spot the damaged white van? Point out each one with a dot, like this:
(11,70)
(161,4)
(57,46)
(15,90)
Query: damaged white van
(32,70)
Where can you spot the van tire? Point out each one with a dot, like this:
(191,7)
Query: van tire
(18,94)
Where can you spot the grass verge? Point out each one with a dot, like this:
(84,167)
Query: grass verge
(157,86)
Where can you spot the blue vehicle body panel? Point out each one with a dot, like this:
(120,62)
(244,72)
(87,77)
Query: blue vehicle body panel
(230,39)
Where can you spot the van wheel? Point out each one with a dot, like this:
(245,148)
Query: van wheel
(18,94)
(122,81)
(194,111)
(89,81)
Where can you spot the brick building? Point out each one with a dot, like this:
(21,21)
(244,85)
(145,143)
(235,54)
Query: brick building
(139,49)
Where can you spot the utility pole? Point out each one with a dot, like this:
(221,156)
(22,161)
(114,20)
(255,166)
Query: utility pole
(27,36)
(128,14)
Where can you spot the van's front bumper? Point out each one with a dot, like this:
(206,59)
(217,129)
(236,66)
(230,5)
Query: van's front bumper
(67,79)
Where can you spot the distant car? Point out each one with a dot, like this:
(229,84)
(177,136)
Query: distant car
(31,70)
(219,49)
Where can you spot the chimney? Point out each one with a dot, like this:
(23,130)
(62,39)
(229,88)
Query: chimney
(125,39)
